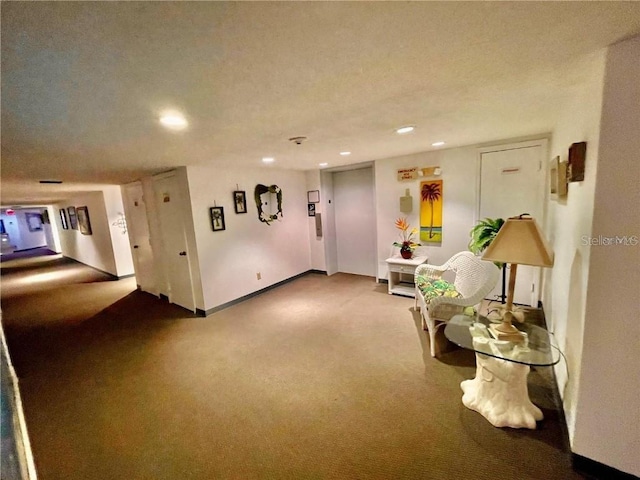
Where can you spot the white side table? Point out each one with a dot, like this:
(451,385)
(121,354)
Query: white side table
(401,273)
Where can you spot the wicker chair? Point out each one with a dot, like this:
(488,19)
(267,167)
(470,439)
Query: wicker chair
(474,278)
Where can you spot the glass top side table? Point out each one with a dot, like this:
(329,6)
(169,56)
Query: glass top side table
(499,389)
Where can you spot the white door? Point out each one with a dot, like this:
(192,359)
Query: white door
(138,230)
(171,210)
(512,183)
(355,221)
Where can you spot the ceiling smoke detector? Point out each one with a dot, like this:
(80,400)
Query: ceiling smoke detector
(298,140)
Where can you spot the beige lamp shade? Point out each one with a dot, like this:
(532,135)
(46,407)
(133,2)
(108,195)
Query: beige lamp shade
(520,241)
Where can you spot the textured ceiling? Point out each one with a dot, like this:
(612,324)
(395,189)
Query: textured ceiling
(83,83)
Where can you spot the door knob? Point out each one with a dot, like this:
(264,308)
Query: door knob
(183,254)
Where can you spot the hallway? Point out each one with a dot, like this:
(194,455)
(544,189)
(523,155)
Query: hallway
(324,377)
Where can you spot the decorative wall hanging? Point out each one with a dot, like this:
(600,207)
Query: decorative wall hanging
(63,219)
(431,211)
(262,195)
(217,218)
(34,221)
(240,201)
(121,222)
(577,156)
(406,202)
(73,220)
(84,224)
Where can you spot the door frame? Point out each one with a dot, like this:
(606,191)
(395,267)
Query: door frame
(327,177)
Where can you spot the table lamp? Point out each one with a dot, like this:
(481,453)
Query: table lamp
(518,242)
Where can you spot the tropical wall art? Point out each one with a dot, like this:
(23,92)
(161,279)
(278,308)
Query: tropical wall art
(431,212)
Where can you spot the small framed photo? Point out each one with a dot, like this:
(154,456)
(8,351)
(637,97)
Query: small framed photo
(73,220)
(84,224)
(240,201)
(63,219)
(313,196)
(311,209)
(217,218)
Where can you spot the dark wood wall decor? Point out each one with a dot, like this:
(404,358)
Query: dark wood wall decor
(575,167)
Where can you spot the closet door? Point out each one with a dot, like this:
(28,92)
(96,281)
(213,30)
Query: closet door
(511,183)
(171,207)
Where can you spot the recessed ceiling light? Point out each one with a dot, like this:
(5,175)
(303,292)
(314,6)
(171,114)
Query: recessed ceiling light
(344,154)
(268,159)
(405,129)
(323,164)
(437,144)
(173,120)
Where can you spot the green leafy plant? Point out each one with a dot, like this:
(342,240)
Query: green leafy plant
(483,234)
(481,237)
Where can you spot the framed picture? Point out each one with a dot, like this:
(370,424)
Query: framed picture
(63,219)
(240,201)
(311,209)
(34,221)
(217,218)
(84,224)
(73,220)
(313,196)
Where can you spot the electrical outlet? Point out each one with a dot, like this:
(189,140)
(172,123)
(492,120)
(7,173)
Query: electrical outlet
(259,276)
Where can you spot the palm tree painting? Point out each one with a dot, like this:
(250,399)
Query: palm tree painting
(431,211)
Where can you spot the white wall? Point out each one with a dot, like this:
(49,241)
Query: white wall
(230,259)
(460,178)
(568,220)
(97,250)
(607,419)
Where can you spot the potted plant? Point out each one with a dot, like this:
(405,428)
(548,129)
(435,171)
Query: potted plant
(407,245)
(482,235)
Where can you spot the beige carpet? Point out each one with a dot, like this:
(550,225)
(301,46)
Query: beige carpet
(322,378)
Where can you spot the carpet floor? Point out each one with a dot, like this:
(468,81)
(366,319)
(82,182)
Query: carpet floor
(321,378)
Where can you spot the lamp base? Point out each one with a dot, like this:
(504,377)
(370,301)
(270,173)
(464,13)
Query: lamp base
(506,331)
